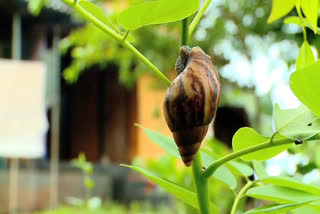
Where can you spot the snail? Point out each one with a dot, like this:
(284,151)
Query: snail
(191,101)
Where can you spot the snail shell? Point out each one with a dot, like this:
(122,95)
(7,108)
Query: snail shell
(192,100)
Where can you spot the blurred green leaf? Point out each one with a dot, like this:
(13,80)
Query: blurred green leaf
(165,142)
(156,12)
(292,183)
(305,84)
(310,9)
(305,57)
(272,209)
(89,183)
(35,6)
(99,14)
(259,169)
(176,190)
(96,12)
(280,194)
(304,210)
(280,8)
(94,203)
(87,168)
(241,168)
(247,137)
(299,123)
(222,174)
(304,22)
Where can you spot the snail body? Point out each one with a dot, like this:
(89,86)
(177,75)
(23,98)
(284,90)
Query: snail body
(191,101)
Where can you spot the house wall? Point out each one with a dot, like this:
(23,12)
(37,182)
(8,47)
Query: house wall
(150,115)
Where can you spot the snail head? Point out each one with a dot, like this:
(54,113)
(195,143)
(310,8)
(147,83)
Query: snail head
(183,58)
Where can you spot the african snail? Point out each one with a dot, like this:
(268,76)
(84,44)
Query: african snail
(191,101)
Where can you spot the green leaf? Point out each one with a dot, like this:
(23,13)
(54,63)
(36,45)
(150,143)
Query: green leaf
(304,22)
(100,15)
(185,195)
(35,6)
(305,57)
(310,9)
(304,210)
(280,8)
(247,137)
(299,123)
(293,20)
(259,169)
(282,208)
(157,12)
(280,194)
(222,174)
(292,183)
(240,168)
(305,84)
(89,183)
(165,142)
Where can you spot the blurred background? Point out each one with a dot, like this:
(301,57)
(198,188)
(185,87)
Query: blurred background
(70,96)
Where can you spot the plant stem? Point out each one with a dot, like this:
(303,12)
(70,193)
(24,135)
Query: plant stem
(184,35)
(239,196)
(216,164)
(119,38)
(298,7)
(201,185)
(198,17)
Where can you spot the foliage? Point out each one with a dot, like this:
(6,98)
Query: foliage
(91,203)
(299,125)
(115,208)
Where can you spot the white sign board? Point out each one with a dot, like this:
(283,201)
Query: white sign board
(23,121)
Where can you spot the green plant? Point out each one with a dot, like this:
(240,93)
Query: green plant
(90,202)
(292,126)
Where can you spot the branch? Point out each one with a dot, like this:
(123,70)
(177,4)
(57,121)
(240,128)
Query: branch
(239,196)
(216,164)
(119,38)
(198,17)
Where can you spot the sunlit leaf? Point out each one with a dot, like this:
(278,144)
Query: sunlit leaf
(299,123)
(100,15)
(280,194)
(247,137)
(305,84)
(293,20)
(292,183)
(305,57)
(280,8)
(310,9)
(156,12)
(185,195)
(282,208)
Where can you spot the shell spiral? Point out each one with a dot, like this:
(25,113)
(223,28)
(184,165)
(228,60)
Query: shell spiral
(191,101)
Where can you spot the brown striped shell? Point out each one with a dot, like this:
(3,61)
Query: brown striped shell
(192,100)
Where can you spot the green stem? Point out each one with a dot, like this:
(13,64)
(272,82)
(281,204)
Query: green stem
(126,35)
(119,38)
(184,35)
(298,7)
(240,195)
(216,164)
(198,17)
(201,185)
